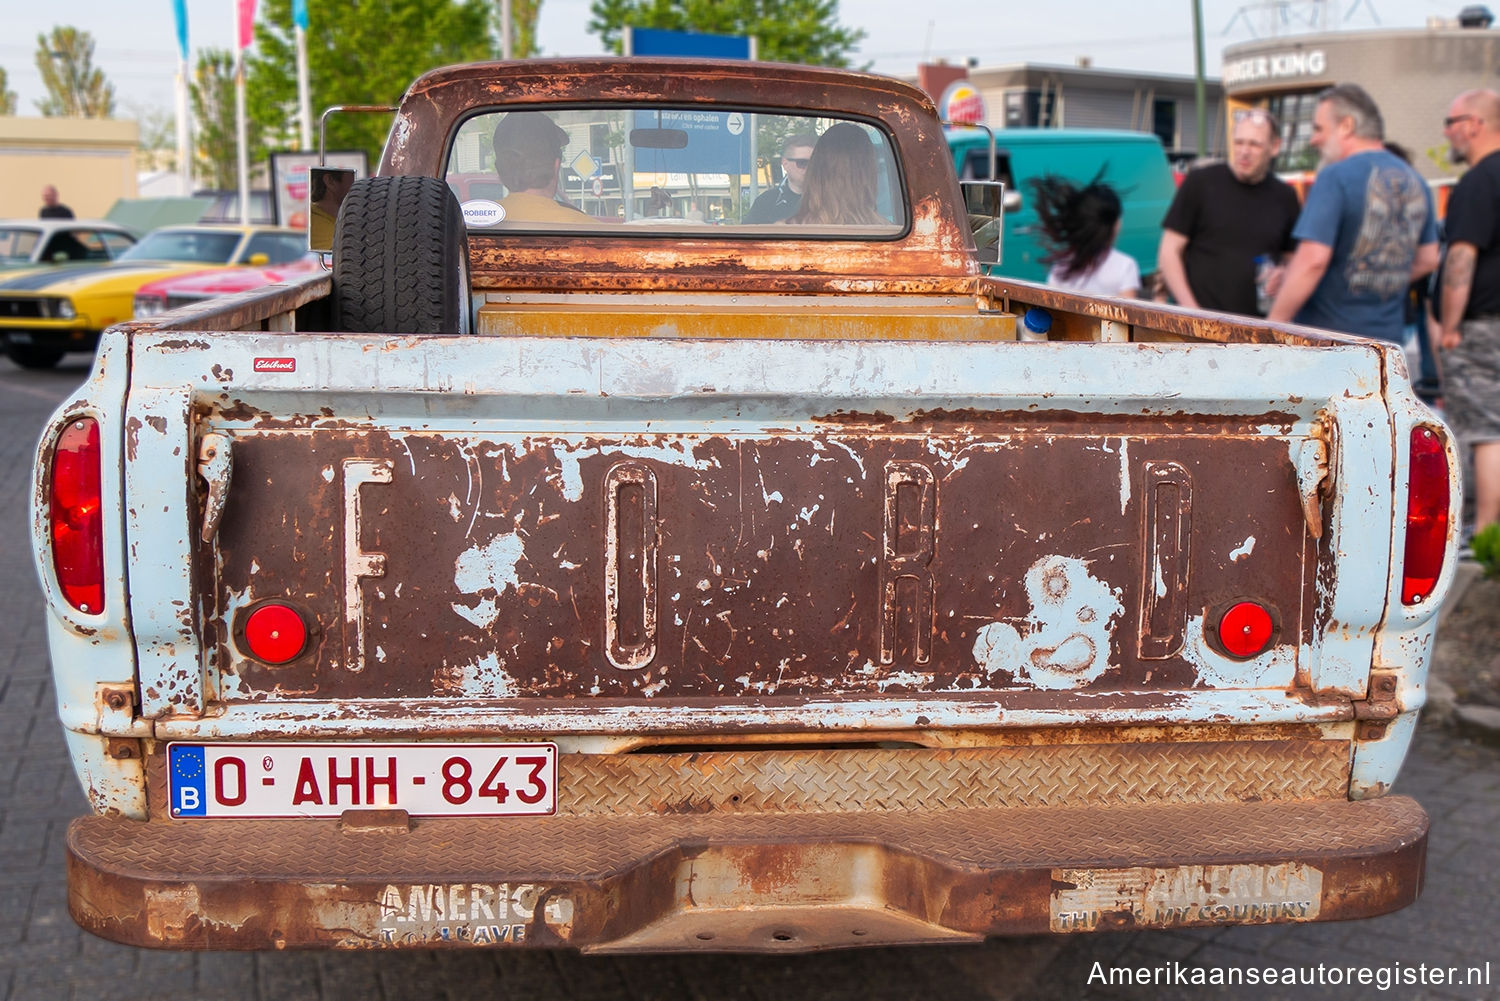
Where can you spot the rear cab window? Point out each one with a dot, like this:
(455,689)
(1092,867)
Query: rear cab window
(710,171)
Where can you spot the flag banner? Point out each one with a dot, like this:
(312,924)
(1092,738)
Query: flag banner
(299,13)
(179,7)
(247,23)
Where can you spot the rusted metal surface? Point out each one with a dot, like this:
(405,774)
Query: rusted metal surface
(1078,317)
(935,256)
(740,883)
(823,317)
(868,559)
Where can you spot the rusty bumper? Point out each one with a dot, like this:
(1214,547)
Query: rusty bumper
(738,883)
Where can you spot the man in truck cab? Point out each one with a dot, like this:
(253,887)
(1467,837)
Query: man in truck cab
(783,200)
(528,156)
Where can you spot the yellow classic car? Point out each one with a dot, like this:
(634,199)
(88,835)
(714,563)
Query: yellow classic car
(47,312)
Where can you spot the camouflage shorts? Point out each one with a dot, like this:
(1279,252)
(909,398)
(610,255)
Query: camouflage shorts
(1471,381)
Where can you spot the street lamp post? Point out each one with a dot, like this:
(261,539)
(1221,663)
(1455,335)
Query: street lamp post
(1198,100)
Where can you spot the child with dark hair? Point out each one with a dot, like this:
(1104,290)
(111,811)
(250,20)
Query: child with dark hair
(1080,225)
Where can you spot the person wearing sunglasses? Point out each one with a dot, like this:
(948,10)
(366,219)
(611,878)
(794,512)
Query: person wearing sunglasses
(1468,293)
(1224,217)
(1366,231)
(781,201)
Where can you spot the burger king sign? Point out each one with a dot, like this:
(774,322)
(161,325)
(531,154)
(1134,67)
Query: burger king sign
(962,103)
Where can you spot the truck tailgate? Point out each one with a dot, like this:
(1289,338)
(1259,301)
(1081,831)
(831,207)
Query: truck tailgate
(591,535)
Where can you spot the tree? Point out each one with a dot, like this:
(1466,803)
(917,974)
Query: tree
(7,96)
(212,94)
(364,53)
(75,88)
(157,133)
(787,31)
(523,18)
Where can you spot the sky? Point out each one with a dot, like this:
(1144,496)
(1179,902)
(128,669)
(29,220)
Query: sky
(136,46)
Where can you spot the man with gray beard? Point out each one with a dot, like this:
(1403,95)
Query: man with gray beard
(1366,231)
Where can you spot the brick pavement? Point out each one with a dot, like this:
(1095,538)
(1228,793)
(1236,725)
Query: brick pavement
(45,957)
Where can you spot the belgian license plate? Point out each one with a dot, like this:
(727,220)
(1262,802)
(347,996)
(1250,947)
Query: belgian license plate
(324,780)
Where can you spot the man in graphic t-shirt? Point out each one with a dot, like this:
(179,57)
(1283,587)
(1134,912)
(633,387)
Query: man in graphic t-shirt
(1225,216)
(1366,231)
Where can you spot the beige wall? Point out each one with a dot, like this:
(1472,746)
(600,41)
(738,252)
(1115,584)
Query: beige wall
(91,161)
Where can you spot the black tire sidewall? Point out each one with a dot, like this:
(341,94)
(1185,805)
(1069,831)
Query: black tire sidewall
(400,258)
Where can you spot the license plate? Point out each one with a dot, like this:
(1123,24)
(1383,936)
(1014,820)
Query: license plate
(324,780)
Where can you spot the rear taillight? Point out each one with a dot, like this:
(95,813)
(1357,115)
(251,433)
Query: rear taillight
(1426,516)
(76,518)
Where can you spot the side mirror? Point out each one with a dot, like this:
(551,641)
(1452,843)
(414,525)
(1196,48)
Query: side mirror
(326,189)
(985,203)
(259,260)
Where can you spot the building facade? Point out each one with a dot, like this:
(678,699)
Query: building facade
(1033,95)
(1411,73)
(91,161)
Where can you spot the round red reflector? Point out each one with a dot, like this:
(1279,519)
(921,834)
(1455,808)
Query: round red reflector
(1245,629)
(275,634)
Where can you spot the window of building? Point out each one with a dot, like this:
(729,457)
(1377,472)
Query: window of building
(1164,121)
(1295,111)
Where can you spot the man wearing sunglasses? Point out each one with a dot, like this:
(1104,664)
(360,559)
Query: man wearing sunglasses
(1468,294)
(784,199)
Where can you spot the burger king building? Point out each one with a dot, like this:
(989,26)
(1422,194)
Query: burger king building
(1411,73)
(1032,95)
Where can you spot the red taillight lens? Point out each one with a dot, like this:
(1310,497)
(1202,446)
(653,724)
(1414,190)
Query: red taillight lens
(1426,516)
(275,633)
(1246,629)
(76,518)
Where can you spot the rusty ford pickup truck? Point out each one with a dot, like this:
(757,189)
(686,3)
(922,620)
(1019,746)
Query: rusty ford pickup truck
(597,568)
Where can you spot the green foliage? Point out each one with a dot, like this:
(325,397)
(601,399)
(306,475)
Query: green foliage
(7,96)
(1304,159)
(157,125)
(365,53)
(75,88)
(216,158)
(523,18)
(1486,547)
(786,31)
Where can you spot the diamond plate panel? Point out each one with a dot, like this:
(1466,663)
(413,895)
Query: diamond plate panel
(875,780)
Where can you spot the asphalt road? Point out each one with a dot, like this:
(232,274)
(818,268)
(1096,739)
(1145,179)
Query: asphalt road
(43,956)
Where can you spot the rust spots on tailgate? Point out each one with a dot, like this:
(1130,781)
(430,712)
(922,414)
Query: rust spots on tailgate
(630,566)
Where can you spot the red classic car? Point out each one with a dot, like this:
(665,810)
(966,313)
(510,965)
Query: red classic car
(180,290)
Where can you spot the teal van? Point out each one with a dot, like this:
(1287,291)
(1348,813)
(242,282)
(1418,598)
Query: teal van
(1134,164)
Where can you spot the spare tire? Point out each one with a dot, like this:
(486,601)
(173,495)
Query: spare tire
(401,258)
